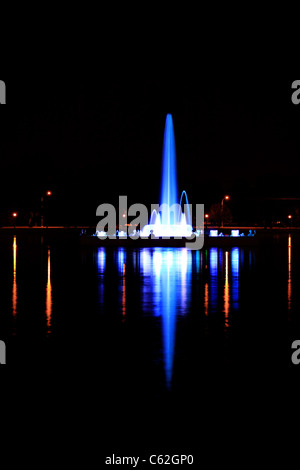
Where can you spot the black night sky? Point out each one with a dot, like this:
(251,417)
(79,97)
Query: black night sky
(94,134)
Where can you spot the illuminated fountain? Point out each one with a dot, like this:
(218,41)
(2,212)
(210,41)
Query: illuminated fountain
(169,220)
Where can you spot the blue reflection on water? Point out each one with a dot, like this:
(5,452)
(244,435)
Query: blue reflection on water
(213,266)
(121,259)
(166,292)
(101,261)
(235,256)
(166,286)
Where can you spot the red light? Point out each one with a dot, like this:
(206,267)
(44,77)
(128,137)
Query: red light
(14,214)
(49,193)
(289,216)
(226,197)
(206,216)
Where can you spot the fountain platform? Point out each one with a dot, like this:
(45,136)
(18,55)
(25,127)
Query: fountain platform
(225,241)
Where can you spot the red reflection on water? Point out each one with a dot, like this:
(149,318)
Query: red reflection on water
(289,271)
(48,295)
(14,288)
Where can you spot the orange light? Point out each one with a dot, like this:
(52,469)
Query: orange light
(49,302)
(14,214)
(206,299)
(49,193)
(289,216)
(289,271)
(226,197)
(206,216)
(14,288)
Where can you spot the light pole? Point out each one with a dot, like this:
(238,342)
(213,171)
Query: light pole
(206,217)
(225,198)
(15,215)
(48,193)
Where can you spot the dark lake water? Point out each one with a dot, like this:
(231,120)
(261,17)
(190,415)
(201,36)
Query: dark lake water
(150,332)
(158,316)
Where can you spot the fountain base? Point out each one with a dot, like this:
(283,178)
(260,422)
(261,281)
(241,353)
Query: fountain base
(167,231)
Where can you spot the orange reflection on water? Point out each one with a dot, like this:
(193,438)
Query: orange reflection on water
(206,299)
(226,292)
(124,293)
(14,288)
(48,296)
(289,271)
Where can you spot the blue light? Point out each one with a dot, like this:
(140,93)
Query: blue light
(150,271)
(101,261)
(121,259)
(189,219)
(213,233)
(166,293)
(235,258)
(101,258)
(169,193)
(199,260)
(235,233)
(168,322)
(184,260)
(213,259)
(213,266)
(169,221)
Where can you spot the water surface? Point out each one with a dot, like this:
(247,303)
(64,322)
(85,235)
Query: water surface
(159,317)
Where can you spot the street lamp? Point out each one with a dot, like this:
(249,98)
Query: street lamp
(48,193)
(225,198)
(206,217)
(14,215)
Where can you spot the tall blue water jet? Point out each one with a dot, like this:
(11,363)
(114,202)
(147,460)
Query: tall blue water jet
(169,195)
(169,220)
